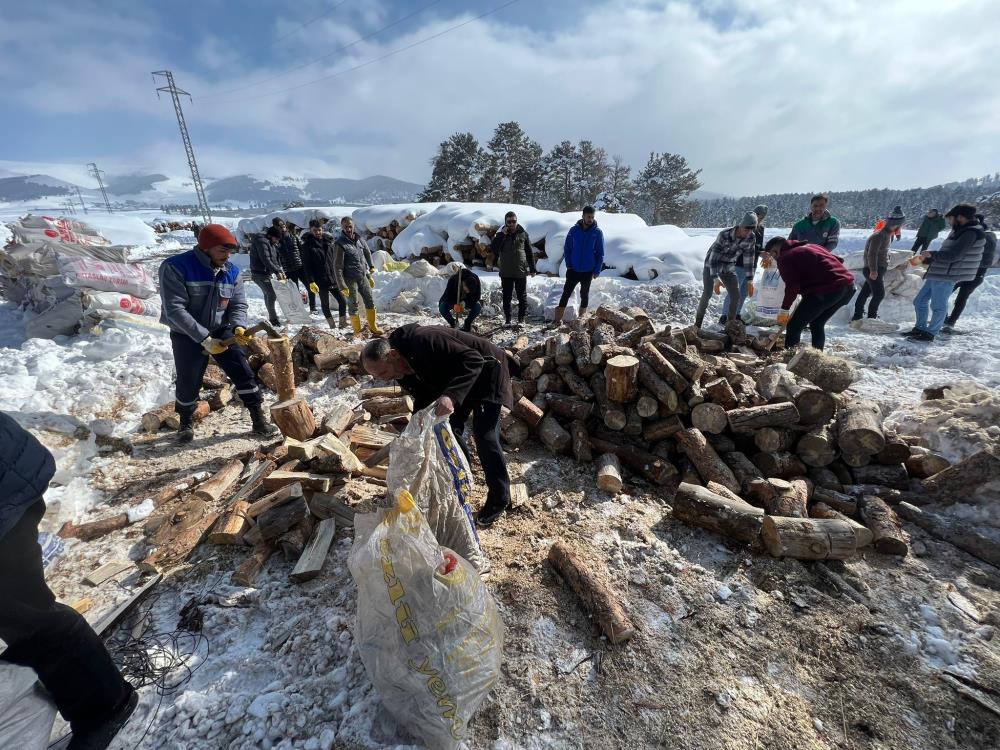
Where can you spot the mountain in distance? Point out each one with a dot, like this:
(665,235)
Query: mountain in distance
(32,187)
(133,184)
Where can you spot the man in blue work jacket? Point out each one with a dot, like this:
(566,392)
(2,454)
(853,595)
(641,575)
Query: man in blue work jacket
(583,253)
(204,305)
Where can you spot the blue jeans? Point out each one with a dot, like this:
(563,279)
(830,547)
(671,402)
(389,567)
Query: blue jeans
(935,294)
(471,313)
(743,279)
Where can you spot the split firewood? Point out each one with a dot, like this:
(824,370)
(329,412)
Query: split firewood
(658,387)
(978,540)
(652,468)
(862,534)
(201,410)
(622,376)
(859,429)
(527,411)
(818,447)
(576,384)
(284,369)
(895,477)
(922,463)
(294,418)
(176,542)
(220,398)
(293,542)
(256,361)
(779,464)
(708,463)
(609,473)
(232,525)
(809,538)
(581,441)
(310,563)
(275,521)
(214,489)
(769,415)
(611,414)
(780,497)
(381,405)
(214,377)
(700,507)
(382,391)
(334,505)
(832,374)
(258,346)
(553,436)
(268,376)
(598,598)
(709,418)
(890,538)
(249,569)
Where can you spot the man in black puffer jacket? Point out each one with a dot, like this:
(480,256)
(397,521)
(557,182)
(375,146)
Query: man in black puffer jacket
(50,638)
(317,261)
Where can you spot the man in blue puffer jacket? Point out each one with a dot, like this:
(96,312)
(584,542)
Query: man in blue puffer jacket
(584,256)
(52,639)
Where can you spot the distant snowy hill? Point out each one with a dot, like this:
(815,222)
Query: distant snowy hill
(32,187)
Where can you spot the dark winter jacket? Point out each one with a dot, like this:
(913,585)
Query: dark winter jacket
(877,249)
(959,256)
(727,250)
(450,362)
(317,260)
(758,234)
(810,269)
(198,298)
(931,228)
(264,257)
(352,259)
(825,232)
(471,289)
(290,252)
(989,254)
(515,257)
(26,467)
(583,250)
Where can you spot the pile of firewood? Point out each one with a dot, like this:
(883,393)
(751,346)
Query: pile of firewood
(770,449)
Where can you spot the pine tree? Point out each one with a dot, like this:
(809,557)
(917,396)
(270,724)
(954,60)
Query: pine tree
(560,163)
(529,179)
(457,170)
(509,152)
(590,175)
(663,187)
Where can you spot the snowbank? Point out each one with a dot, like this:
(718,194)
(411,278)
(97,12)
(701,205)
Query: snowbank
(373,218)
(300,217)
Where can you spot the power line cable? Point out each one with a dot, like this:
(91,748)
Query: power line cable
(374,60)
(310,22)
(356,42)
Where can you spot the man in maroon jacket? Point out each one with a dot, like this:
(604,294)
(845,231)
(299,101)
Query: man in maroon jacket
(822,280)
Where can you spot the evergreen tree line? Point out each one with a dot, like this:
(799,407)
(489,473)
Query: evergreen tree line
(855,208)
(513,168)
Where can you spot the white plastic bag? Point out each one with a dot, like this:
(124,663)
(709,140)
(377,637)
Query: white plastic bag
(26,711)
(427,461)
(124,278)
(290,301)
(763,306)
(428,630)
(114,302)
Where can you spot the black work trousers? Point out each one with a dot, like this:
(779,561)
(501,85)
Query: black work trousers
(583,278)
(875,288)
(813,311)
(190,361)
(965,290)
(270,298)
(921,243)
(51,638)
(486,430)
(325,292)
(508,287)
(298,276)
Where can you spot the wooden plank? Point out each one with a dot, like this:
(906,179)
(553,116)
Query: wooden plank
(112,618)
(308,480)
(369,437)
(311,562)
(108,570)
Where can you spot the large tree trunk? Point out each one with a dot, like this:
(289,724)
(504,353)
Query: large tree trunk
(890,538)
(859,429)
(700,507)
(294,418)
(622,375)
(769,415)
(809,538)
(598,598)
(275,521)
(832,374)
(711,468)
(978,540)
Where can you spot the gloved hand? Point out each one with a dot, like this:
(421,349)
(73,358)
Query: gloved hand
(718,287)
(240,333)
(873,275)
(458,309)
(213,345)
(371,282)
(750,289)
(783,317)
(346,292)
(314,287)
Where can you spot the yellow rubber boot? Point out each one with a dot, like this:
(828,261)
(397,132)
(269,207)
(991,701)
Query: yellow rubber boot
(356,324)
(372,325)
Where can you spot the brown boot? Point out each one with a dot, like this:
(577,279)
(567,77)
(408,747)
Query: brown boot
(332,322)
(557,316)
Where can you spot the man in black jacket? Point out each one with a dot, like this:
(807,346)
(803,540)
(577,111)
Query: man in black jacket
(317,260)
(463,374)
(462,294)
(265,263)
(290,254)
(515,260)
(52,639)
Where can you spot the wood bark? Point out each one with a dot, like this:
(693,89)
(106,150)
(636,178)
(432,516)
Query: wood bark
(275,521)
(922,463)
(597,597)
(249,569)
(347,355)
(201,410)
(743,469)
(581,441)
(840,502)
(815,405)
(577,385)
(721,443)
(895,477)
(709,418)
(152,420)
(622,376)
(660,389)
(859,428)
(856,460)
(568,406)
(527,411)
(700,507)
(525,356)
(725,492)
(780,497)
(219,398)
(553,436)
(310,563)
(212,490)
(889,537)
(781,464)
(609,473)
(769,415)
(662,429)
(688,363)
(611,414)
(539,366)
(775,439)
(379,406)
(579,342)
(653,468)
(973,480)
(294,418)
(278,497)
(268,376)
(233,524)
(818,447)
(708,463)
(978,540)
(214,377)
(821,476)
(809,538)
(831,374)
(635,336)
(862,534)
(647,405)
(603,334)
(284,370)
(618,320)
(663,367)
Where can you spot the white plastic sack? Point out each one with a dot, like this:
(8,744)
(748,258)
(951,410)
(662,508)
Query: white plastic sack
(763,306)
(62,319)
(407,302)
(380,258)
(428,630)
(421,268)
(427,461)
(124,278)
(114,302)
(49,229)
(290,302)
(26,711)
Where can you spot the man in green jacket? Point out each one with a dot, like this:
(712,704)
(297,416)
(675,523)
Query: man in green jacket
(819,227)
(515,260)
(932,225)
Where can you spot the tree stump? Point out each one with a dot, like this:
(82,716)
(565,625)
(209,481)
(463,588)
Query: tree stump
(622,376)
(294,418)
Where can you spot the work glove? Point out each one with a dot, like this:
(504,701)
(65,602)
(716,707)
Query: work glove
(346,292)
(749,289)
(458,309)
(213,345)
(240,334)
(314,287)
(783,317)
(718,287)
(371,282)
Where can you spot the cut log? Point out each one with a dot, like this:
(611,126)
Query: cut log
(248,570)
(311,562)
(233,524)
(687,363)
(256,362)
(553,436)
(527,411)
(618,320)
(711,468)
(837,500)
(557,347)
(539,366)
(179,546)
(611,414)
(609,473)
(335,457)
(653,468)
(658,387)
(579,341)
(622,376)
(663,367)
(214,489)
(720,392)
(94,529)
(647,406)
(781,498)
(843,473)
(709,418)
(214,377)
(521,342)
(769,415)
(382,391)
(152,420)
(743,469)
(347,355)
(922,463)
(831,374)
(551,382)
(332,505)
(633,422)
(201,410)
(532,352)
(721,443)
(890,538)
(275,521)
(821,476)
(974,480)
(700,507)
(781,464)
(339,420)
(856,460)
(294,418)
(599,355)
(979,540)
(369,437)
(308,480)
(815,405)
(284,370)
(219,398)
(268,376)
(809,538)
(581,441)
(515,432)
(597,597)
(725,492)
(895,477)
(379,406)
(862,534)
(818,447)
(662,429)
(603,334)
(859,429)
(577,385)
(293,542)
(775,439)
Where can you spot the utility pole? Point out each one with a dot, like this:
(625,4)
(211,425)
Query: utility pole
(175,95)
(84,205)
(100,183)
(69,207)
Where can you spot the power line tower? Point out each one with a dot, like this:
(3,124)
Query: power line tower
(100,183)
(69,207)
(84,205)
(175,95)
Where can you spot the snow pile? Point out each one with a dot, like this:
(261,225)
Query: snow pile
(374,218)
(300,217)
(965,421)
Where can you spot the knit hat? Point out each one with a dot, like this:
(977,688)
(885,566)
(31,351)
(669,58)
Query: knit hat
(896,217)
(749,220)
(962,209)
(213,235)
(760,210)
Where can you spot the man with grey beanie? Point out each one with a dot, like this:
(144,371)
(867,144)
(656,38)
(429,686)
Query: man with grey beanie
(746,264)
(737,243)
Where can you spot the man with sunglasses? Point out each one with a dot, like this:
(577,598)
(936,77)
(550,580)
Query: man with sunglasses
(205,307)
(515,259)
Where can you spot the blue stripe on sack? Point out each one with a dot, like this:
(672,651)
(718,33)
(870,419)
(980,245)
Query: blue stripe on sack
(459,478)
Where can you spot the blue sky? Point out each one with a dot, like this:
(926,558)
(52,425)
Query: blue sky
(762,95)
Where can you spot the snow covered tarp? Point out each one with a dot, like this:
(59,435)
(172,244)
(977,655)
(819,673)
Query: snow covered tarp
(374,218)
(300,217)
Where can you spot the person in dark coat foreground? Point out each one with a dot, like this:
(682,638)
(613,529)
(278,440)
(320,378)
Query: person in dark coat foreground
(966,288)
(464,375)
(462,294)
(820,277)
(51,638)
